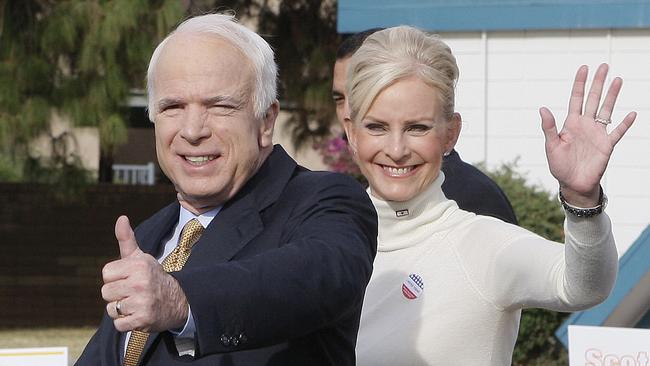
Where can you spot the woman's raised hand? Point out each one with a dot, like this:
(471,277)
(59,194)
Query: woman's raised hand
(578,155)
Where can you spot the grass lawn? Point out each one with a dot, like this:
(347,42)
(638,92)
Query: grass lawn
(73,338)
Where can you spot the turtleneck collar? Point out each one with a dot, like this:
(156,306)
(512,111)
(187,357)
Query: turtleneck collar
(409,223)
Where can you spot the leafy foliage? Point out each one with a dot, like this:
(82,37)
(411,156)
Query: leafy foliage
(8,171)
(536,209)
(305,40)
(538,212)
(80,58)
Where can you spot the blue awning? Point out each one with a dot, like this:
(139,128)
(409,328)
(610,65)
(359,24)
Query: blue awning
(485,15)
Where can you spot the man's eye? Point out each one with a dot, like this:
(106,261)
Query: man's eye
(170,107)
(223,108)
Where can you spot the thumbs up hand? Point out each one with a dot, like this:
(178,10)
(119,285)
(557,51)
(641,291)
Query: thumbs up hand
(139,294)
(125,237)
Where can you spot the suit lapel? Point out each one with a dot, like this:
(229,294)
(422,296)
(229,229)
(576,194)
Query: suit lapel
(111,352)
(152,233)
(228,233)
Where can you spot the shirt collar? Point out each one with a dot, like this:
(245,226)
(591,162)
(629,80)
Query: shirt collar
(204,218)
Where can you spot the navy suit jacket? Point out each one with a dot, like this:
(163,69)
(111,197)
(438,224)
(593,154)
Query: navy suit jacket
(277,278)
(474,191)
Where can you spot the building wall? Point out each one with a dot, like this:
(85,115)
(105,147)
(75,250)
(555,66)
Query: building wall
(506,76)
(80,141)
(306,156)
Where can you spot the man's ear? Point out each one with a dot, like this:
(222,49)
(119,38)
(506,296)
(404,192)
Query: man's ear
(453,131)
(351,133)
(267,125)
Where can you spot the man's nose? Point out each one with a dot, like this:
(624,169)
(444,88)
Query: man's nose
(346,110)
(195,127)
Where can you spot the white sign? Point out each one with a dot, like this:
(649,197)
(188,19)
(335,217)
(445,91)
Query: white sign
(52,356)
(608,346)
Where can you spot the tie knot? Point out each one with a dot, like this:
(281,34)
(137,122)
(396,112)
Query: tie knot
(189,236)
(191,233)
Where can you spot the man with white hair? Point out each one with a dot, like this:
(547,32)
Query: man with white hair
(260,261)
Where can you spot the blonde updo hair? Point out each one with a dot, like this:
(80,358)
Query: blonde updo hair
(396,53)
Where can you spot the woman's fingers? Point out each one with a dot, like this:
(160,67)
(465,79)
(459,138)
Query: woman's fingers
(620,130)
(548,126)
(578,91)
(610,99)
(596,90)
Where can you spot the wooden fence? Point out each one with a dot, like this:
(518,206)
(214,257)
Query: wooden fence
(52,251)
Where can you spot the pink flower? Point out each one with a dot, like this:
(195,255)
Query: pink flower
(337,157)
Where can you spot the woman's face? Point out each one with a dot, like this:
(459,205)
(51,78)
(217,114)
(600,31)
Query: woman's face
(400,141)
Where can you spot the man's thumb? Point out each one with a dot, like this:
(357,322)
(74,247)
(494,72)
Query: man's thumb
(125,237)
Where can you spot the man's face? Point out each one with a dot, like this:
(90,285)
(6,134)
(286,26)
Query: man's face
(208,141)
(339,94)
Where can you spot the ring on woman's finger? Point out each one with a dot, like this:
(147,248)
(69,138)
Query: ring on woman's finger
(604,121)
(118,307)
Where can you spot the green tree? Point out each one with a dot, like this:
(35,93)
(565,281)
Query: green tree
(538,212)
(82,59)
(78,58)
(305,41)
(304,38)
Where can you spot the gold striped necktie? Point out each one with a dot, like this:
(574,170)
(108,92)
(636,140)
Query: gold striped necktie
(172,263)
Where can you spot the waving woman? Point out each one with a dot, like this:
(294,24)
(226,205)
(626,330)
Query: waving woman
(448,285)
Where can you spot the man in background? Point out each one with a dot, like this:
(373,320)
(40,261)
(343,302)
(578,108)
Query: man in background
(468,186)
(260,261)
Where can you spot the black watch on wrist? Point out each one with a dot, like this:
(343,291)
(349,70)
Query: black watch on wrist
(584,212)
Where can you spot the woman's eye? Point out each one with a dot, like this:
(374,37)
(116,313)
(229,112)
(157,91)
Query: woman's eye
(418,128)
(374,127)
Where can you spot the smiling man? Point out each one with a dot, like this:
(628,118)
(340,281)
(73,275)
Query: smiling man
(260,261)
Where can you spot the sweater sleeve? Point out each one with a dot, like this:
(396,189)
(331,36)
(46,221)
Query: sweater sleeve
(529,271)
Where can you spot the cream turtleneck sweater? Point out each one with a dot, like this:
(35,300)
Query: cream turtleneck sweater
(448,286)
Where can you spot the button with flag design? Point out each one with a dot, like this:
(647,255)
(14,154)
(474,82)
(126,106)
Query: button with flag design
(413,286)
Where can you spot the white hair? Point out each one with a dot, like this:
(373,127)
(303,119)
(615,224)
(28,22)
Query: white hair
(254,47)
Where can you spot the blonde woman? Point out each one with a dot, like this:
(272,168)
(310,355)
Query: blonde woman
(448,285)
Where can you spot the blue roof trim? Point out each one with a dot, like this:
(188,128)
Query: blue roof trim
(492,15)
(632,267)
